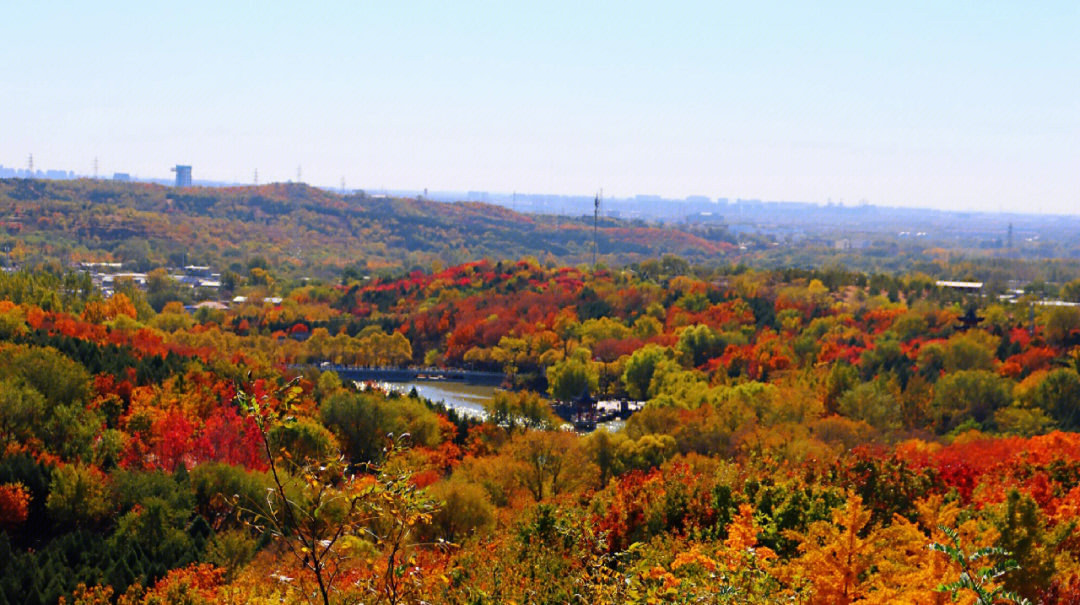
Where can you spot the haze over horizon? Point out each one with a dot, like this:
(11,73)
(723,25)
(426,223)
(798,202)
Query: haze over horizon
(968,106)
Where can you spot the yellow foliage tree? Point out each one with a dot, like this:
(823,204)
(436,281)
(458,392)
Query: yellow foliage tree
(834,556)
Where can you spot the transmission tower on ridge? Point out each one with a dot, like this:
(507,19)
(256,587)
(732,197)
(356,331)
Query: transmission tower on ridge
(595,220)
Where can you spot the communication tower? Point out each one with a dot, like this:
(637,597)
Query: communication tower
(595,220)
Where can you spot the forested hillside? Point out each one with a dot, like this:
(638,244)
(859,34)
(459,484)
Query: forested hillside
(301,230)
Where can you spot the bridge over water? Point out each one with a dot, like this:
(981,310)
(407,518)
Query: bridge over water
(410,374)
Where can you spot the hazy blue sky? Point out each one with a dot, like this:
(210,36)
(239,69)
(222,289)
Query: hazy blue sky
(947,104)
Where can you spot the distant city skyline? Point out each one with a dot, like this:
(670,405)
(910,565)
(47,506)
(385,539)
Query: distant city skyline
(964,106)
(781,218)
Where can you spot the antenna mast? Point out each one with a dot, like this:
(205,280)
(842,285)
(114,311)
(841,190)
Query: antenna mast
(595,219)
(31,164)
(95,168)
(256,177)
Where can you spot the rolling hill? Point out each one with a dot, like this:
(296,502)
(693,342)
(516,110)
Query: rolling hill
(304,230)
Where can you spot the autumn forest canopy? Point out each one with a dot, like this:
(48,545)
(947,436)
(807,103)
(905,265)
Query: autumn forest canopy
(808,432)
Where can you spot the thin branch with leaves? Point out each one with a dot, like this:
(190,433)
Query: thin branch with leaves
(979,580)
(314,504)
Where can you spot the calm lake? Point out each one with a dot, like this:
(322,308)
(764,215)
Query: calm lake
(467,399)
